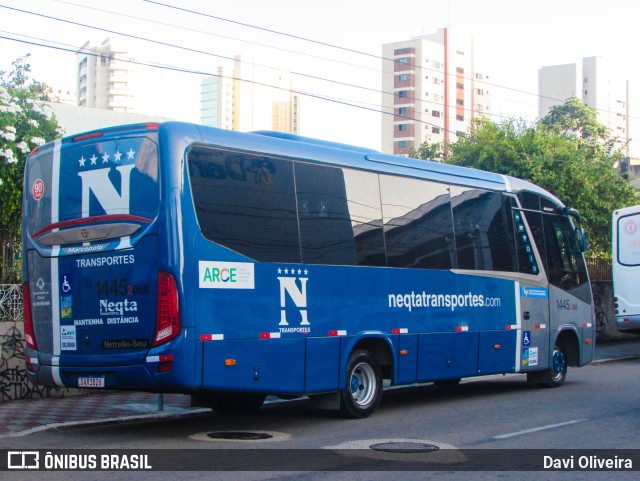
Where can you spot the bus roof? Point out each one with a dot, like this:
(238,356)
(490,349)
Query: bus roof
(331,153)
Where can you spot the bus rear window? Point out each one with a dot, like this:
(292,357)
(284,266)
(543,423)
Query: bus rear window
(101,179)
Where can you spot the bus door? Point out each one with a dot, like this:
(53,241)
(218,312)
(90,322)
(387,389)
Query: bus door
(533,292)
(570,298)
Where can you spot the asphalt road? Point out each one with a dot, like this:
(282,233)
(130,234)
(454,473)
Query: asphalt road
(597,409)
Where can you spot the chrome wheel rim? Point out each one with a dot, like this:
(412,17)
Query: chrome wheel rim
(363,384)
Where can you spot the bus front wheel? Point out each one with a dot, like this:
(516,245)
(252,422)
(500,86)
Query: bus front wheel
(362,393)
(557,372)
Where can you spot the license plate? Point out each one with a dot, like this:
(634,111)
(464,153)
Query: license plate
(91,381)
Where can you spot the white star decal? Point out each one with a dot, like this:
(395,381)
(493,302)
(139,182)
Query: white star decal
(117,156)
(306,272)
(286,271)
(105,157)
(279,270)
(131,154)
(93,159)
(82,161)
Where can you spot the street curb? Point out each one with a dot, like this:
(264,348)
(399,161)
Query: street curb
(615,359)
(106,421)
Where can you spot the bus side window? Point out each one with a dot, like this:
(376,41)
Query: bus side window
(246,203)
(326,236)
(417,223)
(534,220)
(483,232)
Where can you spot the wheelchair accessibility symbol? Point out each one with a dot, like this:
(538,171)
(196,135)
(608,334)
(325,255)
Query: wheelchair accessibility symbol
(66,284)
(526,338)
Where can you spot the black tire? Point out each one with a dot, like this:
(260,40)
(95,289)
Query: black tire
(229,403)
(557,372)
(362,392)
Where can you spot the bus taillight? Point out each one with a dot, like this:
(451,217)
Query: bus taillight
(29,335)
(168,317)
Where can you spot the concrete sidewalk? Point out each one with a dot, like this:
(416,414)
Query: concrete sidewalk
(19,418)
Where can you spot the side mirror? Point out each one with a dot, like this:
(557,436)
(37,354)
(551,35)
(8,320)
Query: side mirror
(581,240)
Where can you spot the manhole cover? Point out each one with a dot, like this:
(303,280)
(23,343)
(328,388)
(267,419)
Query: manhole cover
(239,436)
(404,447)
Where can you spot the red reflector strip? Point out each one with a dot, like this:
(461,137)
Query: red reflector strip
(541,326)
(586,324)
(212,337)
(402,330)
(509,327)
(269,335)
(337,333)
(91,135)
(462,328)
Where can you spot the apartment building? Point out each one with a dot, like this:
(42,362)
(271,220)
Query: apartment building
(250,96)
(105,77)
(431,90)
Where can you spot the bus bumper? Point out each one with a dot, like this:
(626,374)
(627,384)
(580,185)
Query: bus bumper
(148,376)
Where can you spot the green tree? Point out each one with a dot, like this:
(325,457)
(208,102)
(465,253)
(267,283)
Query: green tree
(568,152)
(428,151)
(24,124)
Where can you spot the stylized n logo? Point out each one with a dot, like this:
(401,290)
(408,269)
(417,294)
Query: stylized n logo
(97,181)
(297,294)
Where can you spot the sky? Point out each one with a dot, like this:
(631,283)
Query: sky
(332,47)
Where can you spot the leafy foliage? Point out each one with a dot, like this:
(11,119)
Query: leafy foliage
(24,124)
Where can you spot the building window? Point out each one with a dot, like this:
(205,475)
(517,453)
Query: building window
(460,117)
(403,77)
(437,64)
(437,81)
(459,86)
(402,144)
(402,111)
(402,127)
(402,94)
(459,101)
(459,69)
(435,130)
(435,113)
(403,60)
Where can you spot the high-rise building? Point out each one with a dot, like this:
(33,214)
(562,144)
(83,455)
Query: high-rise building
(216,100)
(250,97)
(600,84)
(105,77)
(431,90)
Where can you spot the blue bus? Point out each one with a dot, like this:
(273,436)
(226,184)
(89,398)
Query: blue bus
(174,257)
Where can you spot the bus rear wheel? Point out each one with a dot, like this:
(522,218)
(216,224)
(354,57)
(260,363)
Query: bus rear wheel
(362,393)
